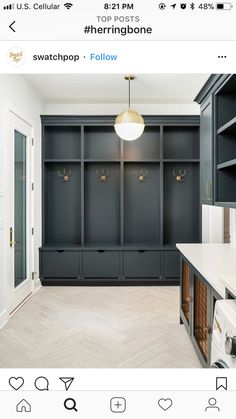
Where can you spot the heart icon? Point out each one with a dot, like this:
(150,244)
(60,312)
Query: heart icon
(16,382)
(165,404)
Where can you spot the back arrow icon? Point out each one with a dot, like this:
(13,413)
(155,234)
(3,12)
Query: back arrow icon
(10,26)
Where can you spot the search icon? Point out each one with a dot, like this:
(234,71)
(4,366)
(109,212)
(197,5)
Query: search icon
(70,404)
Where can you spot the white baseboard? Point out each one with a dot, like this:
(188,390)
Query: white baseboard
(4,315)
(37,285)
(3,318)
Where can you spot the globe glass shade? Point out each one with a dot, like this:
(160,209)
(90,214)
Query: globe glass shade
(129,125)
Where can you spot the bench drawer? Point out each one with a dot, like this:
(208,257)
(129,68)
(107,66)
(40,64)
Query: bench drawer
(142,264)
(60,264)
(101,264)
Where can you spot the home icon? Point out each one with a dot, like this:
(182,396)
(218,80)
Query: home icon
(23,407)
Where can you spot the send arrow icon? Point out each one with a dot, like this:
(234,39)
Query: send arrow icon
(67,381)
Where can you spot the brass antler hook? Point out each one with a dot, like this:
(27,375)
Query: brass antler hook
(65,174)
(102,175)
(180,175)
(141,174)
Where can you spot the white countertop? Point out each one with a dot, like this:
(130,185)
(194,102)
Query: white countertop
(215,262)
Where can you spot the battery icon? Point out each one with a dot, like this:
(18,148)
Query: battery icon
(224,6)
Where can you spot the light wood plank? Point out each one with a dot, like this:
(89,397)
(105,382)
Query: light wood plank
(73,327)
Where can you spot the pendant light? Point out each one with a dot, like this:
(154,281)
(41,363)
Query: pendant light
(129,125)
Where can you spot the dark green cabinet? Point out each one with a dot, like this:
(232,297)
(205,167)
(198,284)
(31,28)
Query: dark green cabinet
(142,264)
(218,146)
(171,264)
(197,303)
(60,263)
(101,264)
(206,136)
(113,210)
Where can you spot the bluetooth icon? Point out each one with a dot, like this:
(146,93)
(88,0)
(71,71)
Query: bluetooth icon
(192,6)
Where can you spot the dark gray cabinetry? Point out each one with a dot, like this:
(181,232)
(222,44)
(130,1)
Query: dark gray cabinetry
(218,145)
(62,206)
(113,210)
(142,204)
(225,100)
(142,264)
(197,302)
(171,263)
(60,263)
(101,264)
(206,133)
(181,199)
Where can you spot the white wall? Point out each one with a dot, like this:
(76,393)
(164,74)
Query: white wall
(18,96)
(115,109)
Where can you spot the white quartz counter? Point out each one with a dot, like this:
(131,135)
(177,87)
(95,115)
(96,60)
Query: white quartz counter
(215,262)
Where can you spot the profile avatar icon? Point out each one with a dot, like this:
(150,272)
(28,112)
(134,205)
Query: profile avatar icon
(212,404)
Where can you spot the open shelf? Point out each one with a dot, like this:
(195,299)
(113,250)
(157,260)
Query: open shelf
(225,143)
(64,246)
(102,204)
(142,204)
(101,143)
(181,160)
(226,177)
(226,147)
(181,204)
(181,142)
(143,161)
(147,147)
(62,142)
(101,160)
(226,103)
(229,127)
(226,164)
(62,206)
(62,160)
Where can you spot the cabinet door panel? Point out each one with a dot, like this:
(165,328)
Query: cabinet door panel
(171,264)
(207,153)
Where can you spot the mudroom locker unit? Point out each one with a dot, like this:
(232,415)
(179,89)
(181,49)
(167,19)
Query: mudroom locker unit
(113,210)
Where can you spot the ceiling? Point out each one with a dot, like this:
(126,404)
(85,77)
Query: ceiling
(112,88)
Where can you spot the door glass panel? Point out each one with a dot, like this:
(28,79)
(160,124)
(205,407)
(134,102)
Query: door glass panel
(20,264)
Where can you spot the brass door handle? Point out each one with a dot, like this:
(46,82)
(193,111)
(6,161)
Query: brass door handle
(11,242)
(209,190)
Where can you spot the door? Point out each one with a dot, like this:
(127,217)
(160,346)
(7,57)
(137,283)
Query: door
(20,212)
(207,153)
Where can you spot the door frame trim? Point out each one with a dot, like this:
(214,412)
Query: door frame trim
(12,127)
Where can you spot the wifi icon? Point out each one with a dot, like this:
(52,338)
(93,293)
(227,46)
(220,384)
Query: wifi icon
(68,5)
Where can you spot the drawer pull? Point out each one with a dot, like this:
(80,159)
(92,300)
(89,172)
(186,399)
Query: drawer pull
(60,251)
(141,251)
(101,251)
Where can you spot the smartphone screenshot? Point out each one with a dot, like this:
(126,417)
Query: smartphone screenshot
(117,209)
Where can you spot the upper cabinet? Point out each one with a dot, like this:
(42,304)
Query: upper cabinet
(218,140)
(225,140)
(206,134)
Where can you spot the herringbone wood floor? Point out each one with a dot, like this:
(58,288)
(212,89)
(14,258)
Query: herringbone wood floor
(71,327)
